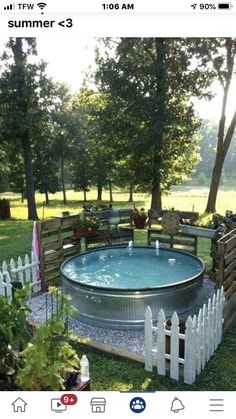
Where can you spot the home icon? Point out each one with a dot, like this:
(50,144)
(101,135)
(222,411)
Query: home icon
(19,405)
(98,404)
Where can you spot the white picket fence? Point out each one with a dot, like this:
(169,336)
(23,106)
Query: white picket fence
(202,336)
(23,270)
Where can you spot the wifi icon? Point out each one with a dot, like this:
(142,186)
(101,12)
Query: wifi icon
(41,6)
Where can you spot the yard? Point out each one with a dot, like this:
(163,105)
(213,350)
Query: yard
(111,372)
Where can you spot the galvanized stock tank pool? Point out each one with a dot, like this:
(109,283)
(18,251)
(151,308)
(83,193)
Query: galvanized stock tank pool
(113,286)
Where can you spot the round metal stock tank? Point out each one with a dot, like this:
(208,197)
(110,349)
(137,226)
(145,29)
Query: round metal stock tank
(112,287)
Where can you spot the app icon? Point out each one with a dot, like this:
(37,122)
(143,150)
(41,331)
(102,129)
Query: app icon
(176,405)
(57,406)
(19,405)
(216,405)
(98,404)
(137,405)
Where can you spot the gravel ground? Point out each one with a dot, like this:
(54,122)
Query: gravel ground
(129,340)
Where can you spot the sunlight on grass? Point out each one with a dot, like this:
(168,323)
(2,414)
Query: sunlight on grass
(181,198)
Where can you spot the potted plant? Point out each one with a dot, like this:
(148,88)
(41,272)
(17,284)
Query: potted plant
(210,230)
(86,226)
(139,217)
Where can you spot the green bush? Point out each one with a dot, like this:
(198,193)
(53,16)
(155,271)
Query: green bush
(49,358)
(14,332)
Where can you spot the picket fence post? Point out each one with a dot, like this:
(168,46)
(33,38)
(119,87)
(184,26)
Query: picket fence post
(174,347)
(161,342)
(148,340)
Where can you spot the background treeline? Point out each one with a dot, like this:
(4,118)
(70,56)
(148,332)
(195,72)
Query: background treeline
(135,129)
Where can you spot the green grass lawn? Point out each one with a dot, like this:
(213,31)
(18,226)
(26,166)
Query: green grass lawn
(110,372)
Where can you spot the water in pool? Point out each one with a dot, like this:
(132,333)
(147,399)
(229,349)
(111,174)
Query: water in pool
(134,268)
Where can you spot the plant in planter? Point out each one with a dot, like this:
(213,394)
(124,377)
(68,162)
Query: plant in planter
(49,358)
(14,335)
(139,217)
(229,220)
(86,226)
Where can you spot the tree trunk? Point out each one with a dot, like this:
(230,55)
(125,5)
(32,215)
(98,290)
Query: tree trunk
(110,191)
(63,179)
(99,188)
(85,195)
(156,202)
(29,178)
(224,140)
(47,198)
(157,126)
(22,196)
(131,197)
(222,149)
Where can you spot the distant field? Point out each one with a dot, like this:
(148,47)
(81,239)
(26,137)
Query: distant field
(16,234)
(184,197)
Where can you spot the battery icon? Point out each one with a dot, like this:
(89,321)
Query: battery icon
(225,6)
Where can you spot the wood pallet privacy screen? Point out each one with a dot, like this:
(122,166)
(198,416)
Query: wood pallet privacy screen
(224,267)
(177,241)
(202,336)
(24,271)
(110,237)
(155,215)
(56,242)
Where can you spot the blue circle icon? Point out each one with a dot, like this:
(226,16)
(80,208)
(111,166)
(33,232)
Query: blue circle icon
(137,405)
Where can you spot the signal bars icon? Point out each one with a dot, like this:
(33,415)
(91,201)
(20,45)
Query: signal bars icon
(10,7)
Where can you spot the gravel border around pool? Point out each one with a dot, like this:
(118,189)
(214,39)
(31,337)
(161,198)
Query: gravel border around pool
(128,340)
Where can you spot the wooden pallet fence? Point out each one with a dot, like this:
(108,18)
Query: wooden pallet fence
(178,241)
(202,336)
(224,274)
(56,243)
(24,270)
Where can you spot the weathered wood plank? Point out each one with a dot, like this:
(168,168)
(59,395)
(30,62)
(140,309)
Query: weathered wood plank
(229,293)
(230,256)
(230,243)
(228,282)
(230,268)
(55,245)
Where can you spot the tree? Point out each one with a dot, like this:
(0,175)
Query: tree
(208,143)
(4,170)
(24,98)
(61,119)
(224,65)
(96,158)
(150,82)
(44,163)
(80,157)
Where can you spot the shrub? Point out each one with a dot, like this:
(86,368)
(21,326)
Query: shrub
(49,358)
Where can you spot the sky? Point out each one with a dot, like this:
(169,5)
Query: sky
(69,59)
